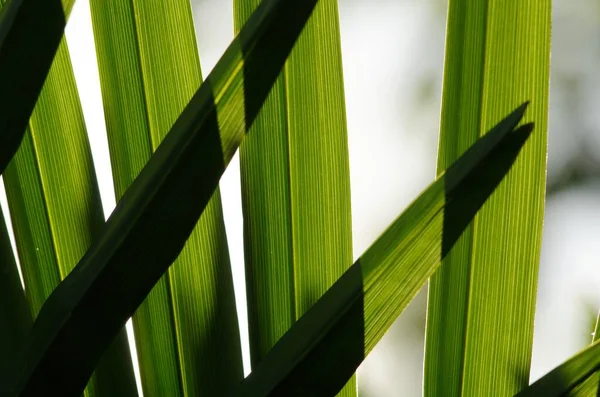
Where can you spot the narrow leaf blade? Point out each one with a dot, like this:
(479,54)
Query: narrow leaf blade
(481,303)
(296,184)
(187,336)
(590,386)
(567,376)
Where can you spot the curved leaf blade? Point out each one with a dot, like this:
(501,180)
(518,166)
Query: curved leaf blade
(323,349)
(156,215)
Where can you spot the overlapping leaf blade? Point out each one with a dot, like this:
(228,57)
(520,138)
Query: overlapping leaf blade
(482,301)
(324,348)
(158,212)
(187,334)
(56,210)
(296,184)
(557,382)
(568,377)
(30,33)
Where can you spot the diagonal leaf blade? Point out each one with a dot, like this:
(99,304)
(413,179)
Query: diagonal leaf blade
(568,376)
(147,231)
(586,388)
(187,336)
(324,348)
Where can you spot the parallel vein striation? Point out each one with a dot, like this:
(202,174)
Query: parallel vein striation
(295,184)
(482,301)
(186,331)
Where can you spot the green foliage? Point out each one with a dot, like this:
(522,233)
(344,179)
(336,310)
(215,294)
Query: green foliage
(570,377)
(162,256)
(577,377)
(56,210)
(146,232)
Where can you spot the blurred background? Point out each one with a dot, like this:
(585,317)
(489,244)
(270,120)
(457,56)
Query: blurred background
(393,52)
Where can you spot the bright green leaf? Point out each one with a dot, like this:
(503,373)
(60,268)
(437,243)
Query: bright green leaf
(296,184)
(481,302)
(323,349)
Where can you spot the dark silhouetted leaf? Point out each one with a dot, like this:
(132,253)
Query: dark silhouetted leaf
(15,318)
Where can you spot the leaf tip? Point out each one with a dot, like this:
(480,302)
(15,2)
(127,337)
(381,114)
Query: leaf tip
(521,109)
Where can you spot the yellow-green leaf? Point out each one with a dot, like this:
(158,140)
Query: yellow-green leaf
(481,302)
(296,184)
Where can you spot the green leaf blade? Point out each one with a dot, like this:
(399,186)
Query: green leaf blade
(569,378)
(267,226)
(295,184)
(56,210)
(187,334)
(481,302)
